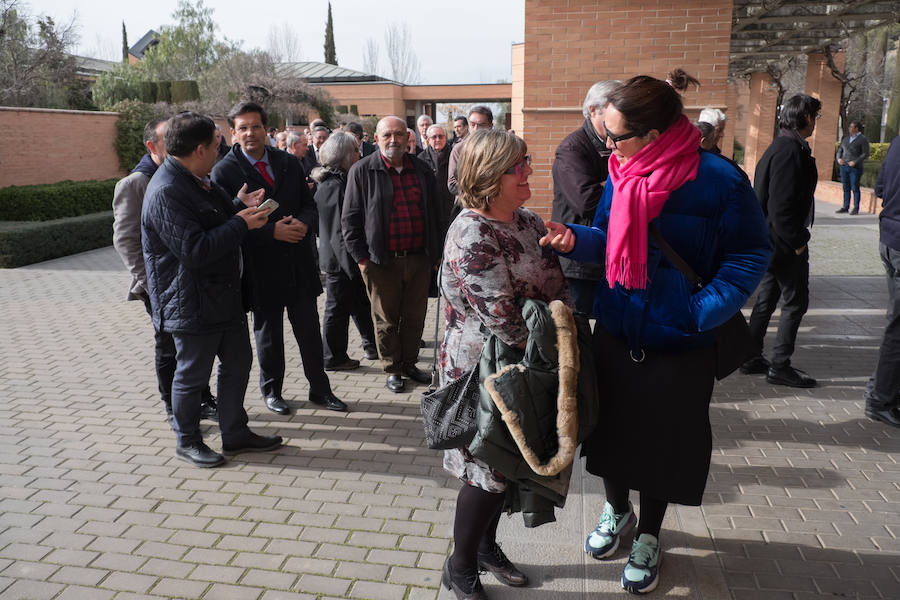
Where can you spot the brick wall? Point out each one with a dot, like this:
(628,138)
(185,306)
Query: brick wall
(46,146)
(571,44)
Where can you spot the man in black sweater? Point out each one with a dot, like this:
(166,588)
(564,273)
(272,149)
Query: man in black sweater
(883,390)
(785,182)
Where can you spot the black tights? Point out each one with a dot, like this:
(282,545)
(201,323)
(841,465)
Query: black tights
(652,510)
(474,526)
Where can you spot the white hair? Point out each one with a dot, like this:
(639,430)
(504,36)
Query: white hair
(422,118)
(713,116)
(435,127)
(596,96)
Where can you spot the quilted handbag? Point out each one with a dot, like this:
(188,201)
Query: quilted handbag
(448,413)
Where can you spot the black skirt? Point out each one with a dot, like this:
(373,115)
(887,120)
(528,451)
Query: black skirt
(654,434)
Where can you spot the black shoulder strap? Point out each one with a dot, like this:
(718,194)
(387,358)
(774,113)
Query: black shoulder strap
(674,258)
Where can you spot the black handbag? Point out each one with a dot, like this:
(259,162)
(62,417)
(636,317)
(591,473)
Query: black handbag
(448,413)
(734,344)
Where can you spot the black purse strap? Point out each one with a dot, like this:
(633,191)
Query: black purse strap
(674,258)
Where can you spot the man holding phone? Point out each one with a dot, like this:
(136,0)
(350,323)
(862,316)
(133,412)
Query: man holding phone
(280,260)
(191,235)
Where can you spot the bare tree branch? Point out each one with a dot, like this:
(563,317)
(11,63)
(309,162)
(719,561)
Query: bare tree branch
(401,57)
(284,44)
(370,56)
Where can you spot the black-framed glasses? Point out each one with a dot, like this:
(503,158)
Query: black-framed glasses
(517,168)
(618,138)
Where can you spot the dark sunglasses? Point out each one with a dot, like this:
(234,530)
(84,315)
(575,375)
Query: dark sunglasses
(517,168)
(618,138)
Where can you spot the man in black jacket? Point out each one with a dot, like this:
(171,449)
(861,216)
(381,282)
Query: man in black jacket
(579,174)
(883,390)
(785,182)
(437,156)
(392,229)
(281,264)
(191,235)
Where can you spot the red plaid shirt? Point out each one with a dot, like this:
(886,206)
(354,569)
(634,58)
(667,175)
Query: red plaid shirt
(406,228)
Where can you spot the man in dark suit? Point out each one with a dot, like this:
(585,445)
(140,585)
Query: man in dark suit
(280,264)
(579,174)
(785,182)
(852,153)
(365,147)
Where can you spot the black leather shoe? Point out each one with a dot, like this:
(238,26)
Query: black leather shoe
(790,377)
(371,352)
(417,374)
(348,364)
(496,562)
(891,416)
(395,383)
(250,442)
(329,401)
(755,366)
(209,410)
(855,211)
(840,211)
(466,586)
(277,405)
(199,455)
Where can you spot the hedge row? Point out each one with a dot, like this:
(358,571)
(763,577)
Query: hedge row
(27,242)
(55,200)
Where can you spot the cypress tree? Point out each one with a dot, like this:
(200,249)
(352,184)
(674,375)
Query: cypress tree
(124,44)
(330,52)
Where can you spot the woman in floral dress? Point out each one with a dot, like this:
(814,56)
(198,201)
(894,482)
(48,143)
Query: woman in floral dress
(492,259)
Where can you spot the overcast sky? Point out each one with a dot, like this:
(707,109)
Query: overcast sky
(464,41)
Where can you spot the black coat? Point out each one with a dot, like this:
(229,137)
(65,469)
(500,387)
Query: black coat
(887,187)
(191,239)
(439,162)
(368,148)
(310,161)
(579,175)
(333,255)
(278,272)
(368,201)
(785,182)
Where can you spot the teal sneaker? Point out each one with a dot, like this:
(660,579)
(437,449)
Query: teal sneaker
(603,541)
(641,574)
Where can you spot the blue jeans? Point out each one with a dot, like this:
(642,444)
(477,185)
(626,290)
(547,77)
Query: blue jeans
(850,177)
(883,388)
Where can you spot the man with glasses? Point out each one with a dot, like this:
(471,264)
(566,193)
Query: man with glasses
(579,175)
(480,117)
(437,156)
(393,228)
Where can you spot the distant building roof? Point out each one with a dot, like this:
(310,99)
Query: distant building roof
(318,72)
(150,38)
(92,67)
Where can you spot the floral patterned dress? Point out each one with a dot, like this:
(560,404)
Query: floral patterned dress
(487,267)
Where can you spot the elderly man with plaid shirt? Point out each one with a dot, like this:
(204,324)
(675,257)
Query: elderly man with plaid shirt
(394,231)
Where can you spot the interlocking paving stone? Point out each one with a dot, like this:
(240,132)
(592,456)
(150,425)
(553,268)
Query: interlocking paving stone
(803,498)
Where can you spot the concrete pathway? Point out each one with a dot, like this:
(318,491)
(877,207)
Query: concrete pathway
(803,499)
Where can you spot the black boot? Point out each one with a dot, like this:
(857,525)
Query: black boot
(466,585)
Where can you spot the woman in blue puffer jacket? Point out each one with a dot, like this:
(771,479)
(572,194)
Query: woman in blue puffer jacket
(655,333)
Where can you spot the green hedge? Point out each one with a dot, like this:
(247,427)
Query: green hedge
(24,243)
(55,200)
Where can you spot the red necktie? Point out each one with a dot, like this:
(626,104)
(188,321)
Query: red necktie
(261,166)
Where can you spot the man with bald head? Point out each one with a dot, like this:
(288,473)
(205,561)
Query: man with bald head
(392,229)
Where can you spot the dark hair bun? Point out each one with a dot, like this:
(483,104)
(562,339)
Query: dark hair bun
(680,80)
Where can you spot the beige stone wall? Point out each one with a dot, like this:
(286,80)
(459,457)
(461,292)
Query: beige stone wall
(46,146)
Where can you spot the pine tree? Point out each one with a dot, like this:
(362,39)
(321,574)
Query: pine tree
(330,52)
(124,44)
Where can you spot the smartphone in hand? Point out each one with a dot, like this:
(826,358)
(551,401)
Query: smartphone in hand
(269,205)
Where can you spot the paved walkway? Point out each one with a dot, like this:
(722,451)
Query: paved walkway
(803,499)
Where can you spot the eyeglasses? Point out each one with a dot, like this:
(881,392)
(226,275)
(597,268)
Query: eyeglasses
(517,168)
(438,136)
(615,139)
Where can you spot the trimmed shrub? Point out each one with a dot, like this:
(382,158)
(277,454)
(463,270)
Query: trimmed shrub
(25,243)
(133,116)
(164,91)
(185,91)
(55,200)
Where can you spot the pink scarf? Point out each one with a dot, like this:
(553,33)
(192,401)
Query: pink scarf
(642,186)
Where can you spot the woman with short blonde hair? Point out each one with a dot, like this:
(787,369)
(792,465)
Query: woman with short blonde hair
(492,259)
